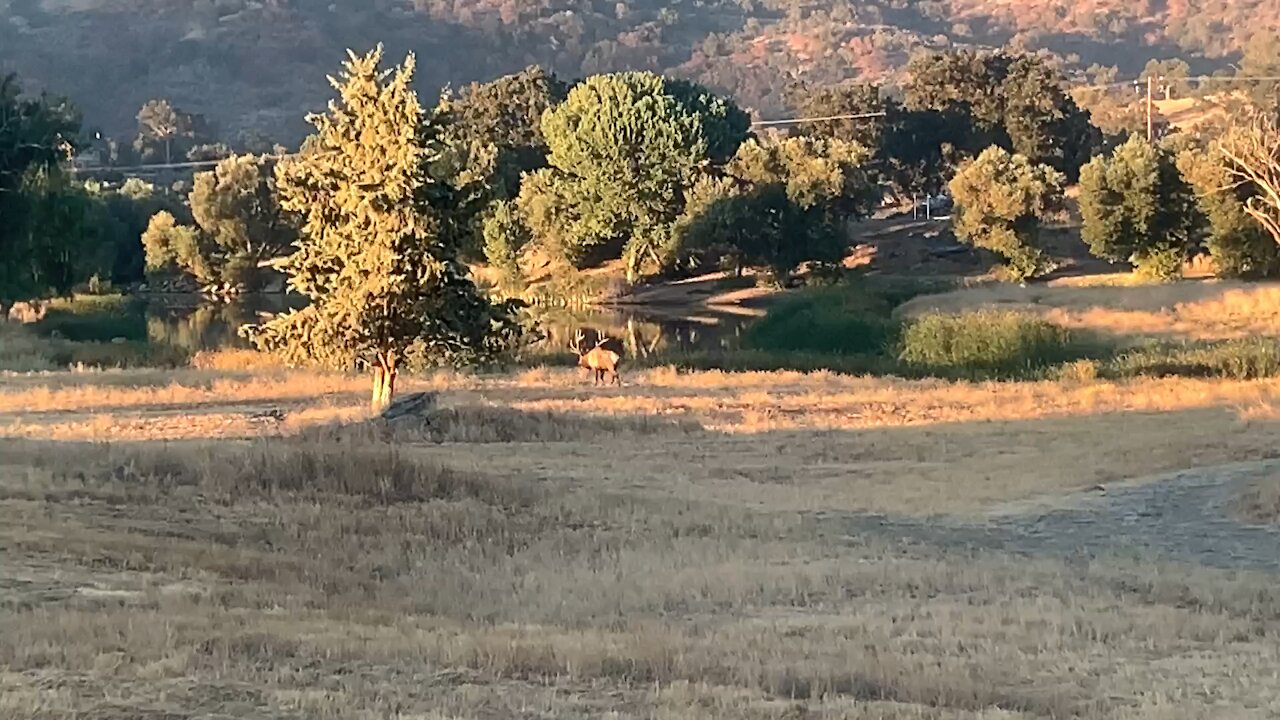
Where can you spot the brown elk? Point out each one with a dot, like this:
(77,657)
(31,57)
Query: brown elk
(600,360)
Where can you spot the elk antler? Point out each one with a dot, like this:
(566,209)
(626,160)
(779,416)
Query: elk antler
(576,345)
(601,339)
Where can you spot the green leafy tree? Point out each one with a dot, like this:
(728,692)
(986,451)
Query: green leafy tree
(1016,102)
(1239,245)
(40,242)
(1001,201)
(128,210)
(1136,207)
(239,225)
(491,136)
(236,207)
(161,124)
(781,203)
(507,115)
(623,150)
(172,247)
(386,288)
(1252,156)
(914,151)
(505,235)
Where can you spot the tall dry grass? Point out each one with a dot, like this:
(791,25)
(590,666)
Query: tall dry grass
(129,593)
(1190,310)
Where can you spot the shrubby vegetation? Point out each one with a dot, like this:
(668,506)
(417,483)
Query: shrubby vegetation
(1137,208)
(1001,201)
(751,49)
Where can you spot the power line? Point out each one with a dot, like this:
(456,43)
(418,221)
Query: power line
(1195,78)
(794,121)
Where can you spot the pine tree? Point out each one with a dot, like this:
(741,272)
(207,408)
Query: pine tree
(386,288)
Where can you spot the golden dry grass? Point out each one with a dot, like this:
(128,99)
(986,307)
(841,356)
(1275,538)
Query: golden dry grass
(1199,310)
(544,549)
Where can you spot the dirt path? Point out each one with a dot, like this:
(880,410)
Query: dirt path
(1185,516)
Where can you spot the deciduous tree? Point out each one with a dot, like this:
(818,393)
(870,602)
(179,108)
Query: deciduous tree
(1252,155)
(1001,202)
(1136,207)
(40,249)
(623,150)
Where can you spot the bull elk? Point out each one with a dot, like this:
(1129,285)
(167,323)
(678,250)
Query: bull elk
(601,361)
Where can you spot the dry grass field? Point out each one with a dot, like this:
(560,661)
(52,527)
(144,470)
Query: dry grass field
(1188,310)
(690,545)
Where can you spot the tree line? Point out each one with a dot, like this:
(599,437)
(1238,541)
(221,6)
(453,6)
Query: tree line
(378,216)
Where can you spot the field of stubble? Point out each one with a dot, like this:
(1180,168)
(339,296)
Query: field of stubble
(691,545)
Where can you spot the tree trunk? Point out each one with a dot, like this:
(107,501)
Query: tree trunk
(384,383)
(379,382)
(389,386)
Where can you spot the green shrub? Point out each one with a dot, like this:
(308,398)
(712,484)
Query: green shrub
(87,318)
(838,320)
(1248,359)
(986,342)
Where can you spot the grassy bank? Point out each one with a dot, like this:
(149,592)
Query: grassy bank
(859,327)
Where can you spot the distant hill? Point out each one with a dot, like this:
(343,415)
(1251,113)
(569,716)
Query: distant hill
(261,64)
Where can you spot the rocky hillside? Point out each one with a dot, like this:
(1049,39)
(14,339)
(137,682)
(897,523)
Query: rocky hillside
(261,64)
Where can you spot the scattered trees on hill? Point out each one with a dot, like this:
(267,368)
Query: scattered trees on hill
(387,290)
(1137,207)
(1001,201)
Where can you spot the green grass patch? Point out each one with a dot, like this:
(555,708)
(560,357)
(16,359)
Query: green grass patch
(94,318)
(1248,359)
(1003,344)
(851,318)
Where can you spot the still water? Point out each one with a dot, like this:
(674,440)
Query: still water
(192,324)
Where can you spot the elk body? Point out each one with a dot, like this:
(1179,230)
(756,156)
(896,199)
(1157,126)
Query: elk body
(601,361)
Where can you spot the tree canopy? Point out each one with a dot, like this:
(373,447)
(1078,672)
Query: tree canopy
(1136,207)
(1001,201)
(41,216)
(1017,102)
(623,151)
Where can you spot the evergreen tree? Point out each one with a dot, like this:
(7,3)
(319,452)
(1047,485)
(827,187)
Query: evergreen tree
(386,288)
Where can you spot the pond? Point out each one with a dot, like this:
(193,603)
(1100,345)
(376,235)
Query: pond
(192,324)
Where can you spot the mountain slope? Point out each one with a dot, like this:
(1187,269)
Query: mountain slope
(261,64)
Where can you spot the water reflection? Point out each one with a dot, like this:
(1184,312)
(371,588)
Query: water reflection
(193,325)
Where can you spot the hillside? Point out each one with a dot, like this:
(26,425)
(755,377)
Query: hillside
(260,64)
